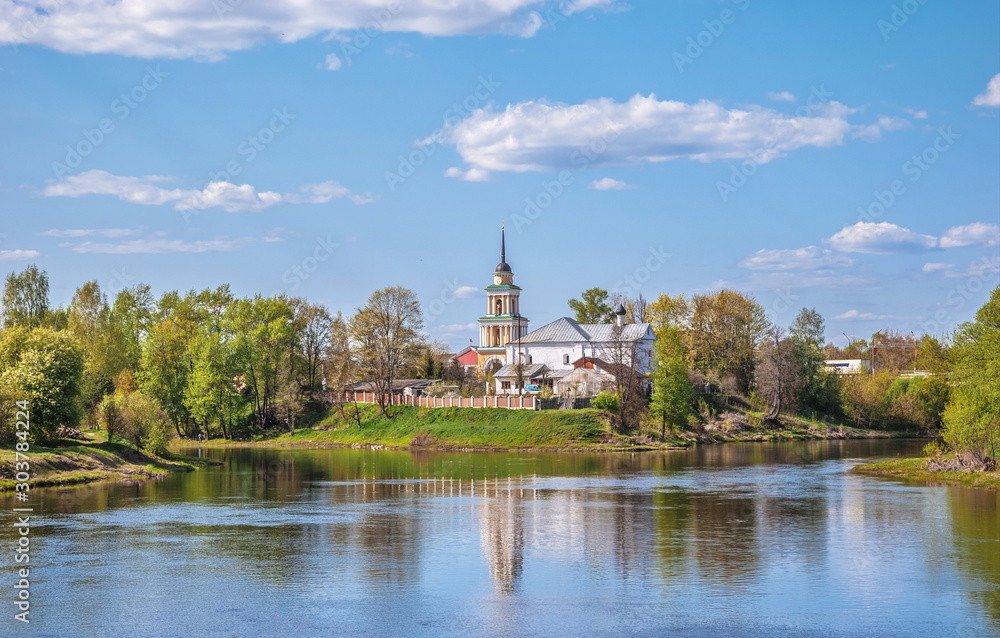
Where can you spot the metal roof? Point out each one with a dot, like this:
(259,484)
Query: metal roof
(566,330)
(529,371)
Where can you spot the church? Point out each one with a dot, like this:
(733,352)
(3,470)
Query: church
(571,358)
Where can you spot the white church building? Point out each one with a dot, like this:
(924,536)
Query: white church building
(582,354)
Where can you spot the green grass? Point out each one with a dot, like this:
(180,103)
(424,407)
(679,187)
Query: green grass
(67,462)
(458,428)
(916,470)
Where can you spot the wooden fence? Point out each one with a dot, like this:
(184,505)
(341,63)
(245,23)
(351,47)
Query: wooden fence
(510,402)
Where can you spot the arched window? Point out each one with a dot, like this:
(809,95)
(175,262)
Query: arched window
(565,359)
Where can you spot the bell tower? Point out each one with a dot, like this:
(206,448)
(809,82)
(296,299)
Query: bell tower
(502,322)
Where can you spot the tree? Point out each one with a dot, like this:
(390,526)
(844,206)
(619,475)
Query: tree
(723,334)
(130,322)
(142,422)
(808,328)
(972,414)
(894,350)
(672,390)
(386,332)
(807,335)
(26,298)
(340,363)
(312,328)
(88,318)
(667,311)
(44,367)
(263,338)
(636,310)
(932,354)
(628,384)
(592,307)
(779,373)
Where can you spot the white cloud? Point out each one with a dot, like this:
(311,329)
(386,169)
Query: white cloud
(471,175)
(18,255)
(936,267)
(110,233)
(208,30)
(991,96)
(873,132)
(609,184)
(160,246)
(974,234)
(985,268)
(782,96)
(462,292)
(539,136)
(809,258)
(854,315)
(229,197)
(332,62)
(880,238)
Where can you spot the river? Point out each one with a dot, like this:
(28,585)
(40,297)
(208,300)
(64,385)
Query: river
(764,539)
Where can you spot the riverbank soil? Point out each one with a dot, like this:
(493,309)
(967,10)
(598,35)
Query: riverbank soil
(69,462)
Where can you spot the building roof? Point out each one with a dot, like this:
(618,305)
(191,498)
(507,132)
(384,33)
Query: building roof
(397,384)
(528,371)
(566,330)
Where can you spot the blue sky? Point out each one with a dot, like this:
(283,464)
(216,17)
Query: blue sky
(843,156)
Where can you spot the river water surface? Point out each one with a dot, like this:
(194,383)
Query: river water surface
(775,539)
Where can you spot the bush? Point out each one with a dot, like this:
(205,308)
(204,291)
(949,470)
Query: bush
(606,402)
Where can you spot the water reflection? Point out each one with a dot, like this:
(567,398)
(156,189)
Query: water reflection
(737,539)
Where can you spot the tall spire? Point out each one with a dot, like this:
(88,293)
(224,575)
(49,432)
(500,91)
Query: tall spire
(503,266)
(503,243)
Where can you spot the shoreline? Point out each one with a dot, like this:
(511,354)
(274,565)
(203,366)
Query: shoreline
(299,441)
(915,469)
(96,461)
(91,462)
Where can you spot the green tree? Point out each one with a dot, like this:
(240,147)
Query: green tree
(972,415)
(130,321)
(44,367)
(807,334)
(672,390)
(669,310)
(722,338)
(263,338)
(143,422)
(386,334)
(592,307)
(89,323)
(26,298)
